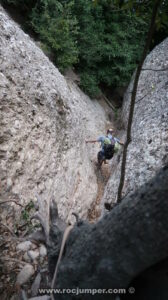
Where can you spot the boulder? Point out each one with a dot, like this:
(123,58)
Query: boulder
(24,246)
(25,274)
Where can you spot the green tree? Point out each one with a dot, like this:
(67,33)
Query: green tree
(57,29)
(102,39)
(110,44)
(90,38)
(24,7)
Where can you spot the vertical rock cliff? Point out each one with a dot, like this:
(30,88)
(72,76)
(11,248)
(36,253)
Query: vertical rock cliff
(148,151)
(44,122)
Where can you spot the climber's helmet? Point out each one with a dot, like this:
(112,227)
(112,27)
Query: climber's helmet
(110,131)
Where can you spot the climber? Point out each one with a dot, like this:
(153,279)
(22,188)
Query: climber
(109,145)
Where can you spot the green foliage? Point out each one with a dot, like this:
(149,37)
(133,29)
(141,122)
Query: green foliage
(116,114)
(89,83)
(24,222)
(25,215)
(57,28)
(110,44)
(24,6)
(103,39)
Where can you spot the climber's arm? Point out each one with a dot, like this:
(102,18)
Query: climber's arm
(118,141)
(99,140)
(91,141)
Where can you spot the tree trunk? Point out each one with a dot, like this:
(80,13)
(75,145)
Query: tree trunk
(110,253)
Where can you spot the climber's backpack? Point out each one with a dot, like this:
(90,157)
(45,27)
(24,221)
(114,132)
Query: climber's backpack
(117,147)
(108,148)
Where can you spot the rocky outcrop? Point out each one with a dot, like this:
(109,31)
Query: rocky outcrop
(44,121)
(149,147)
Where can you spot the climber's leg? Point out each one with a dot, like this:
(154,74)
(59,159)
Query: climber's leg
(100,158)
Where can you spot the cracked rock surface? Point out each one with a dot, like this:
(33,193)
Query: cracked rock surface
(148,151)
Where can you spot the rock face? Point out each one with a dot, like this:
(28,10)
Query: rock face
(44,122)
(45,119)
(149,147)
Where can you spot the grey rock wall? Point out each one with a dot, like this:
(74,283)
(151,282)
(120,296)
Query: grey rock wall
(148,150)
(43,125)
